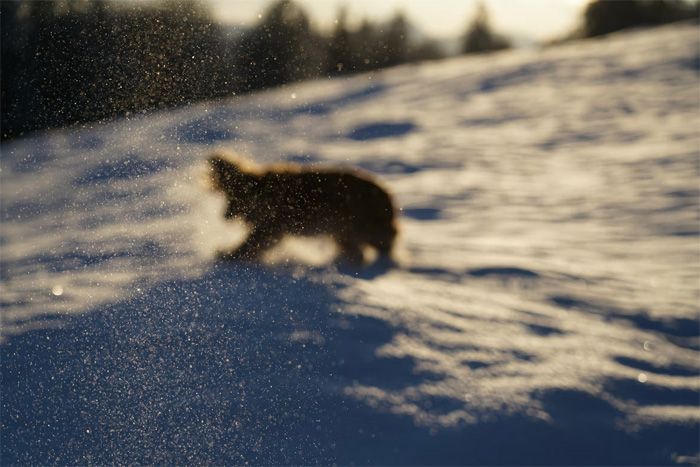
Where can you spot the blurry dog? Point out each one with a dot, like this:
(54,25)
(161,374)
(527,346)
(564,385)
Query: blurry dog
(291,199)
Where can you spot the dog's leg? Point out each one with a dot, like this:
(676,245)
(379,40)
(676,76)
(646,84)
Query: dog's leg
(252,248)
(351,251)
(384,242)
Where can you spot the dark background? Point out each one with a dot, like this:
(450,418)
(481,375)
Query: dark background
(69,62)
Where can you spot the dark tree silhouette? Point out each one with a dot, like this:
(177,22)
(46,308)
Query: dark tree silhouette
(339,47)
(604,16)
(65,62)
(366,42)
(68,62)
(396,47)
(281,49)
(480,37)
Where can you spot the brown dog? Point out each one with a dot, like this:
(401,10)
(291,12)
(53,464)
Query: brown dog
(290,199)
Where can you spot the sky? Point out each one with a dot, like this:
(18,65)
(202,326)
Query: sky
(438,19)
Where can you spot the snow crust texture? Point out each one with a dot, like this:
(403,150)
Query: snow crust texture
(544,311)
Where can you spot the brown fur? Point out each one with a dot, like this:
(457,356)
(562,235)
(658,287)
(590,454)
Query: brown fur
(291,199)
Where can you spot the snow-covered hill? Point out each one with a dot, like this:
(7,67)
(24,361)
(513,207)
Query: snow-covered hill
(545,310)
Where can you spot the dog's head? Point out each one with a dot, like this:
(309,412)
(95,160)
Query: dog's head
(236,178)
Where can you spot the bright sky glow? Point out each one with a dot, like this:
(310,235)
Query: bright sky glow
(439,19)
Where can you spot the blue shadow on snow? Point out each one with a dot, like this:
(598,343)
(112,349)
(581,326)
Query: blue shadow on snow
(127,167)
(202,130)
(247,365)
(381,130)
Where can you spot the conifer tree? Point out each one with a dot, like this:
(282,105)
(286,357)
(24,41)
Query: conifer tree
(339,55)
(480,37)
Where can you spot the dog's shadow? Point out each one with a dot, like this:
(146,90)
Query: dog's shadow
(311,256)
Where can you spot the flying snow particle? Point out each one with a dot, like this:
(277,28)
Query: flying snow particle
(642,378)
(57,290)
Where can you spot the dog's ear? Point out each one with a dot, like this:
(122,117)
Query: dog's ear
(222,170)
(219,164)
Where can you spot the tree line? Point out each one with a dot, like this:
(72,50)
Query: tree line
(67,62)
(604,17)
(77,61)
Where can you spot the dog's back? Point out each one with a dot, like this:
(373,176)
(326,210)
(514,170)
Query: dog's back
(342,203)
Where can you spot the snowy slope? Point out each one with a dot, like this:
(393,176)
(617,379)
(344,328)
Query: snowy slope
(545,310)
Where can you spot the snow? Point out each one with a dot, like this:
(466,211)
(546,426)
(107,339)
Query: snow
(545,310)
